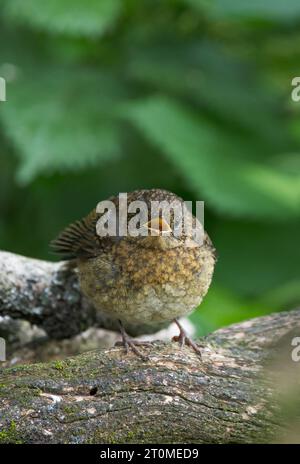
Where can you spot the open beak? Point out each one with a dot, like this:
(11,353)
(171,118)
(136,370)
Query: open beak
(158,226)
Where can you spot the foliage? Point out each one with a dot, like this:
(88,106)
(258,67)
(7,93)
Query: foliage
(188,95)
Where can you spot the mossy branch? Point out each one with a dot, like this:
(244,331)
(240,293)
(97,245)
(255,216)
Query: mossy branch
(109,397)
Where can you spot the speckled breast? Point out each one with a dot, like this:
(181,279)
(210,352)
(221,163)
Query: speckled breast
(137,284)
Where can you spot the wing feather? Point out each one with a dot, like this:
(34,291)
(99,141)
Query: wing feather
(79,239)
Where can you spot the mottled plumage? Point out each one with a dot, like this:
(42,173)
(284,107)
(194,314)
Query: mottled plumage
(139,280)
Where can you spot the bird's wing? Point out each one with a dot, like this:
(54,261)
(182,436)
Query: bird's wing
(79,239)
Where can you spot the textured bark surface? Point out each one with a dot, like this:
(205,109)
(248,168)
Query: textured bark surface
(109,397)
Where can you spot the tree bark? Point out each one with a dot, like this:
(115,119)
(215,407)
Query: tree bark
(174,397)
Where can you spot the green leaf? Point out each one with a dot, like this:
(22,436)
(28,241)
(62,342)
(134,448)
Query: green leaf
(216,164)
(226,86)
(70,17)
(61,120)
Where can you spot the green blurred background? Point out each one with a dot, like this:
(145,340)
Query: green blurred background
(189,95)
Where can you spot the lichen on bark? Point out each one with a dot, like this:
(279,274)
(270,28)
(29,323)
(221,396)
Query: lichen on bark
(106,396)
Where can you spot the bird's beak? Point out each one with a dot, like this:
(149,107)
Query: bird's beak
(158,226)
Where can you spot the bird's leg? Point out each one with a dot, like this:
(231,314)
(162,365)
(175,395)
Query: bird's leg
(184,339)
(127,342)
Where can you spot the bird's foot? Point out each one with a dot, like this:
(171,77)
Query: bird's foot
(184,339)
(129,343)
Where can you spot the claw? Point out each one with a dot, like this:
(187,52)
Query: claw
(127,342)
(184,339)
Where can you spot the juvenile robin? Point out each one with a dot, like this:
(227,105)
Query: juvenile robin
(147,279)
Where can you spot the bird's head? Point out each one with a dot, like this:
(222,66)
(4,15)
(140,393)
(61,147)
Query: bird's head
(159,219)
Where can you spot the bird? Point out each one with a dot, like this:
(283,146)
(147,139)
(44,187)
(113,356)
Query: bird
(149,279)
